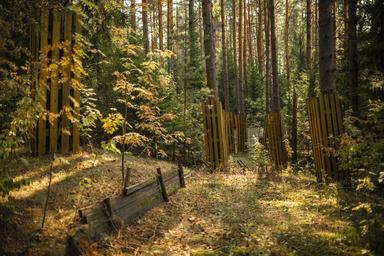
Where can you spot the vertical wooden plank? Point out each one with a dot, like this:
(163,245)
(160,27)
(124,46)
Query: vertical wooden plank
(44,16)
(54,93)
(66,85)
(215,135)
(319,132)
(210,134)
(324,128)
(76,96)
(34,42)
(207,132)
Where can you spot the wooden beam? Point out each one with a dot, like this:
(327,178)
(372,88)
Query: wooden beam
(54,93)
(66,86)
(44,16)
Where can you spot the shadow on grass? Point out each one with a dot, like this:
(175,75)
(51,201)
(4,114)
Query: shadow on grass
(240,215)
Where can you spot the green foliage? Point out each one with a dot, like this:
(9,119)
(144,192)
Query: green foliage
(260,154)
(6,186)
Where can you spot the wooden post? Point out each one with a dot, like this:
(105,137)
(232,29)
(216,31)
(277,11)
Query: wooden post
(76,108)
(43,81)
(181,175)
(162,185)
(66,86)
(54,93)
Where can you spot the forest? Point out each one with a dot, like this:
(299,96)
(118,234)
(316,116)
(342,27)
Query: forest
(192,127)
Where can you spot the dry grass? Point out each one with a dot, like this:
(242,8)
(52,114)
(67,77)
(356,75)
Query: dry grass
(238,212)
(21,232)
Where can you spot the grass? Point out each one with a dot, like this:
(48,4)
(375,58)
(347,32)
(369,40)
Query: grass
(239,213)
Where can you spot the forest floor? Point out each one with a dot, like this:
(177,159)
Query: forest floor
(237,212)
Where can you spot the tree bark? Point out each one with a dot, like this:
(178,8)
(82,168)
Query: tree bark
(244,92)
(160,13)
(224,55)
(234,38)
(259,38)
(275,87)
(352,56)
(170,32)
(311,87)
(267,59)
(145,25)
(209,47)
(240,65)
(326,48)
(132,15)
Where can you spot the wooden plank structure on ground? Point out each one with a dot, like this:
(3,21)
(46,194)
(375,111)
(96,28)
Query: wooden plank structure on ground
(112,214)
(230,126)
(273,136)
(241,130)
(326,124)
(215,134)
(51,43)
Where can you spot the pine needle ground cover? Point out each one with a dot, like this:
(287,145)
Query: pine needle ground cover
(238,212)
(242,213)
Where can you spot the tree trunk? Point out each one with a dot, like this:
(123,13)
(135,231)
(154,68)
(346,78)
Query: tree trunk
(209,47)
(132,15)
(170,32)
(160,12)
(267,59)
(275,87)
(311,87)
(259,38)
(245,52)
(234,38)
(153,28)
(240,66)
(224,53)
(193,40)
(352,56)
(326,48)
(145,25)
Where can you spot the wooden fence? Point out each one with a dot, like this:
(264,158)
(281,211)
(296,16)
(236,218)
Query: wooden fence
(112,214)
(274,131)
(225,132)
(215,134)
(51,41)
(241,129)
(326,124)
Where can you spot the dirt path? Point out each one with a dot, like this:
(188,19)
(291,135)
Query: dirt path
(239,213)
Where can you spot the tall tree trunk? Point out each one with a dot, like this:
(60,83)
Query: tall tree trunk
(170,32)
(234,38)
(245,54)
(145,25)
(352,56)
(259,38)
(154,30)
(244,92)
(132,15)
(240,66)
(326,48)
(275,87)
(224,53)
(309,36)
(160,12)
(193,40)
(209,47)
(311,87)
(267,59)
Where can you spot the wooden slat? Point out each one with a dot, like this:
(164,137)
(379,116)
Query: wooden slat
(66,85)
(43,81)
(76,96)
(54,93)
